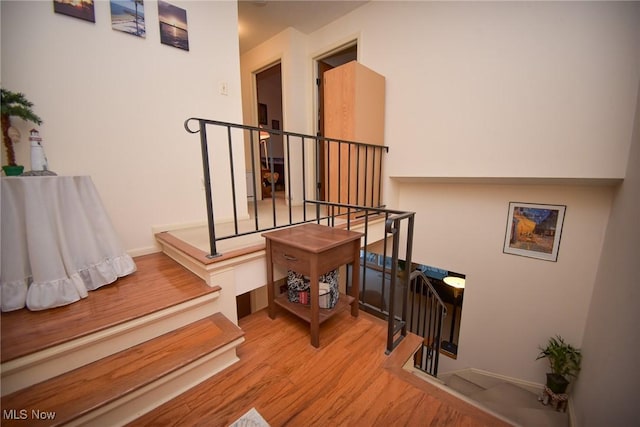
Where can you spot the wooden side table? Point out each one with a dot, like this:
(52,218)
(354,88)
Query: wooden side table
(313,249)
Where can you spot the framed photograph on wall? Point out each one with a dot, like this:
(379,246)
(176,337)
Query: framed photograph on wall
(262,114)
(534,230)
(128,16)
(173,25)
(78,9)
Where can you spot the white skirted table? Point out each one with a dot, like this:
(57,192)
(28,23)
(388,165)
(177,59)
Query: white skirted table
(57,242)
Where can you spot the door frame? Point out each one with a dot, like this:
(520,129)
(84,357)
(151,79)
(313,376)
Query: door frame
(257,165)
(345,52)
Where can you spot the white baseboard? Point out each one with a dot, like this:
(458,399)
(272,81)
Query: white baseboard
(177,226)
(144,251)
(529,385)
(572,413)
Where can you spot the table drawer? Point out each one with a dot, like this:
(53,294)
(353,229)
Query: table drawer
(292,258)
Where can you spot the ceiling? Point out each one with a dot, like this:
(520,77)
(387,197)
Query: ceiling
(258,20)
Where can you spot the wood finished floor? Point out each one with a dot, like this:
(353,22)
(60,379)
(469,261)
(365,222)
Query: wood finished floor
(158,283)
(349,381)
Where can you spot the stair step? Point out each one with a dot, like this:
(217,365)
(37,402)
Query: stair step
(160,297)
(100,388)
(481,380)
(462,385)
(158,284)
(540,417)
(516,403)
(507,395)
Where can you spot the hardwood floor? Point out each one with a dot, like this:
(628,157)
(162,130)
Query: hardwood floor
(349,381)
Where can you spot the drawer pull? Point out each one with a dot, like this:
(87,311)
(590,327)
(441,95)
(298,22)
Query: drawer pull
(289,257)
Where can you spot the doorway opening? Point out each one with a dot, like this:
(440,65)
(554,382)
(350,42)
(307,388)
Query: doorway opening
(332,59)
(269,114)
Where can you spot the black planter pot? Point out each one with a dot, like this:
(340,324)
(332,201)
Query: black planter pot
(557,383)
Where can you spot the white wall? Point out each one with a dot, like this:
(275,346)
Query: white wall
(501,89)
(512,304)
(506,90)
(608,383)
(114,104)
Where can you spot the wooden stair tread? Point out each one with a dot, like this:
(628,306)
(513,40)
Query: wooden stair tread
(200,256)
(158,283)
(84,389)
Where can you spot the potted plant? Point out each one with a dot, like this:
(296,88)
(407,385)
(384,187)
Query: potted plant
(14,104)
(564,360)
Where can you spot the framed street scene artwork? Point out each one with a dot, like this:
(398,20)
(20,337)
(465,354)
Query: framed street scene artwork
(534,230)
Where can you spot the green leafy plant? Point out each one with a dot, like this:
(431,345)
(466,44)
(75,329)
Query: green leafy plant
(564,359)
(14,104)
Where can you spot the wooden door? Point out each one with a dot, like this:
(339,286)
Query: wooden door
(354,99)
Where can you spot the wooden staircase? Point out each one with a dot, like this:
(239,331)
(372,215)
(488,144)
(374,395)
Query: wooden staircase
(117,354)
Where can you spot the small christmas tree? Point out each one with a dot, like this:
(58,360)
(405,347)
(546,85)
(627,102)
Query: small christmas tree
(14,105)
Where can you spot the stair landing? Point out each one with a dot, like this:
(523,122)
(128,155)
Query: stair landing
(512,401)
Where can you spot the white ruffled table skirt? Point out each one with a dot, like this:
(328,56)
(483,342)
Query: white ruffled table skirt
(57,242)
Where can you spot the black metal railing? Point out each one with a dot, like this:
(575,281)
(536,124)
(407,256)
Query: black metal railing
(384,275)
(345,172)
(397,325)
(338,199)
(425,318)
